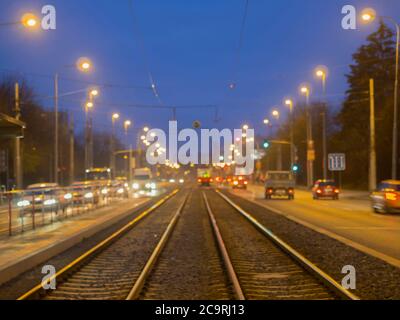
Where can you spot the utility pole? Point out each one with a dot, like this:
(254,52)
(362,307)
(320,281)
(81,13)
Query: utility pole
(324,143)
(71,150)
(310,145)
(56,128)
(17,157)
(372,151)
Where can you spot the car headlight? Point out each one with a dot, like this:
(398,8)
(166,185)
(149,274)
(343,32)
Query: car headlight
(104,191)
(120,190)
(49,202)
(23,203)
(88,195)
(153,185)
(148,185)
(181,181)
(38,199)
(68,196)
(172,180)
(135,186)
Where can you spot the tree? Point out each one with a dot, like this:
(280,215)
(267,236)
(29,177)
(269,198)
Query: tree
(372,60)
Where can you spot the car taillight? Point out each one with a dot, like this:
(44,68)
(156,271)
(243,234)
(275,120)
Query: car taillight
(319,191)
(336,190)
(291,190)
(198,180)
(211,180)
(270,190)
(391,196)
(245,182)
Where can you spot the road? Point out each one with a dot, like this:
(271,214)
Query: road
(349,220)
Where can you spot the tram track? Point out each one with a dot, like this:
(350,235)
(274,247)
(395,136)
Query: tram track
(109,269)
(259,264)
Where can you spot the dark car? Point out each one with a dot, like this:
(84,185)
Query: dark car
(325,189)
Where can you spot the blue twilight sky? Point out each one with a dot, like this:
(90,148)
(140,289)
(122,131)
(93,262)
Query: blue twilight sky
(190,49)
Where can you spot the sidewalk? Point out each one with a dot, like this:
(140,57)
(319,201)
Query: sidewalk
(22,252)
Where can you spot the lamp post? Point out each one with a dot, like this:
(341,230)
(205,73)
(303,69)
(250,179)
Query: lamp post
(305,90)
(29,21)
(84,65)
(114,118)
(321,73)
(127,124)
(368,15)
(289,103)
(89,128)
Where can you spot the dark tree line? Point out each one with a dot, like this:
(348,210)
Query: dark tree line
(38,141)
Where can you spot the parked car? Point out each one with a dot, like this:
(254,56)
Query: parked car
(325,189)
(386,198)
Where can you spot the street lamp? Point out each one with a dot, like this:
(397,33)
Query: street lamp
(84,65)
(305,90)
(127,124)
(29,20)
(275,113)
(321,72)
(289,103)
(367,16)
(114,118)
(92,92)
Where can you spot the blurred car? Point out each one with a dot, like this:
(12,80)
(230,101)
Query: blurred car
(386,198)
(239,182)
(43,197)
(325,189)
(84,192)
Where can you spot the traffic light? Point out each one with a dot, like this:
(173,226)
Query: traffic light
(295,168)
(266,144)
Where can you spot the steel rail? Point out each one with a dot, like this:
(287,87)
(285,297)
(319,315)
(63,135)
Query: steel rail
(146,271)
(314,270)
(224,253)
(38,289)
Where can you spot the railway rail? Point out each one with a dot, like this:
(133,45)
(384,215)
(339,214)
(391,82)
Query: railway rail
(256,264)
(272,269)
(109,269)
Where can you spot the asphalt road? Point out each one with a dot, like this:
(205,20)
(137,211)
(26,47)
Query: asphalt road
(349,220)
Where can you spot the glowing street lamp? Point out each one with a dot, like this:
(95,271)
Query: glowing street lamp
(368,15)
(84,64)
(245,127)
(89,105)
(29,21)
(266,121)
(275,114)
(127,124)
